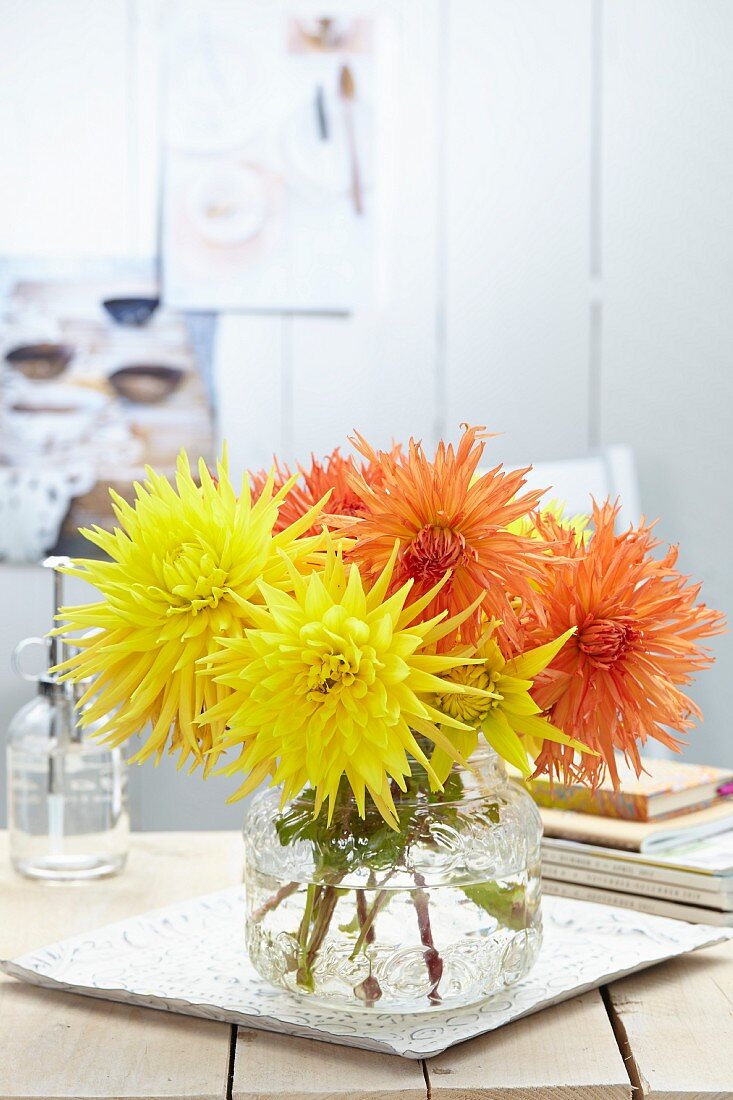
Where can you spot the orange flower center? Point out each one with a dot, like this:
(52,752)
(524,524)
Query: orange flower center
(605,641)
(344,506)
(432,552)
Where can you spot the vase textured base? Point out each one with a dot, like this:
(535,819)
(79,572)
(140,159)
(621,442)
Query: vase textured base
(477,954)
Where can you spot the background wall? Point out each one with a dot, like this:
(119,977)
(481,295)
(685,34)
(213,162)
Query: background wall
(558,258)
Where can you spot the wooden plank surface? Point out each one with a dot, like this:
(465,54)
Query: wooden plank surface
(676,1021)
(53,1045)
(564,1052)
(273,1067)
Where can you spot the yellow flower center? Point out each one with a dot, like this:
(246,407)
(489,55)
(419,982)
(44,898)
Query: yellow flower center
(332,671)
(193,577)
(337,657)
(469,708)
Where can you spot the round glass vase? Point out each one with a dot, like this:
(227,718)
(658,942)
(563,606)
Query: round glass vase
(354,915)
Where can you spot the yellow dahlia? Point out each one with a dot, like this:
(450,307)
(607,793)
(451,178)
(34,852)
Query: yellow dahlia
(331,681)
(504,710)
(533,526)
(185,562)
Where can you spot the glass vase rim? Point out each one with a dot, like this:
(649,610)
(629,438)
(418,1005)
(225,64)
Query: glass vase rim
(484,756)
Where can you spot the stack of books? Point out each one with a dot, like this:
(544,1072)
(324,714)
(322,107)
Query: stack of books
(661,844)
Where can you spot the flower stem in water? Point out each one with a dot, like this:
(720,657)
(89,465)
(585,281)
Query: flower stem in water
(304,977)
(319,908)
(361,913)
(273,902)
(366,926)
(321,922)
(369,990)
(433,961)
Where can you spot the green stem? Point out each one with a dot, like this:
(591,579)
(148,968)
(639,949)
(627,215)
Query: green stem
(361,915)
(319,909)
(321,923)
(303,977)
(366,925)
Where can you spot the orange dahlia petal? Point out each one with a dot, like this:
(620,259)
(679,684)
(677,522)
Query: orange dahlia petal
(617,682)
(332,473)
(447,517)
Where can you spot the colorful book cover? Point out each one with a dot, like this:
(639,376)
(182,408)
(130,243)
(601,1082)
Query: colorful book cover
(664,789)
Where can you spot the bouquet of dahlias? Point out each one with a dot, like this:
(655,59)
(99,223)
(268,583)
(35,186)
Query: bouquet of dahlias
(370,639)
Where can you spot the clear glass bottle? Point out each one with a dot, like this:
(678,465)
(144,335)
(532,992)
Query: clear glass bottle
(67,793)
(353,915)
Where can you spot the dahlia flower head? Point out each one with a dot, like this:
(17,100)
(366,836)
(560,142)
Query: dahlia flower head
(182,566)
(332,628)
(335,680)
(638,627)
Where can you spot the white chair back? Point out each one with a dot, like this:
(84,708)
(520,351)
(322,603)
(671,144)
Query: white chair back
(610,472)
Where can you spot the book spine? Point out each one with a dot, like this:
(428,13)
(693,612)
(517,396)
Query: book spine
(646,887)
(655,906)
(632,869)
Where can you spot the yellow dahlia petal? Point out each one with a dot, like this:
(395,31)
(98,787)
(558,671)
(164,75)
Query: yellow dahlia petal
(496,699)
(533,661)
(327,684)
(185,567)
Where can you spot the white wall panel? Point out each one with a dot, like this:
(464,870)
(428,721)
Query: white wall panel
(377,369)
(145,23)
(64,186)
(667,257)
(253,394)
(517,222)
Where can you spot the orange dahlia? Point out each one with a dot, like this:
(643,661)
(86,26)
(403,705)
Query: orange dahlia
(617,681)
(447,518)
(315,481)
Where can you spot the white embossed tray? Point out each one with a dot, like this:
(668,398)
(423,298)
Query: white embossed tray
(190,958)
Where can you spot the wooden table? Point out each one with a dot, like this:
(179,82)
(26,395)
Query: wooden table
(665,1033)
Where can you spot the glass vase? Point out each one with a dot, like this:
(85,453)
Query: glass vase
(354,915)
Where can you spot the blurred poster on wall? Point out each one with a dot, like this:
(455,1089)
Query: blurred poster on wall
(269,161)
(97,381)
